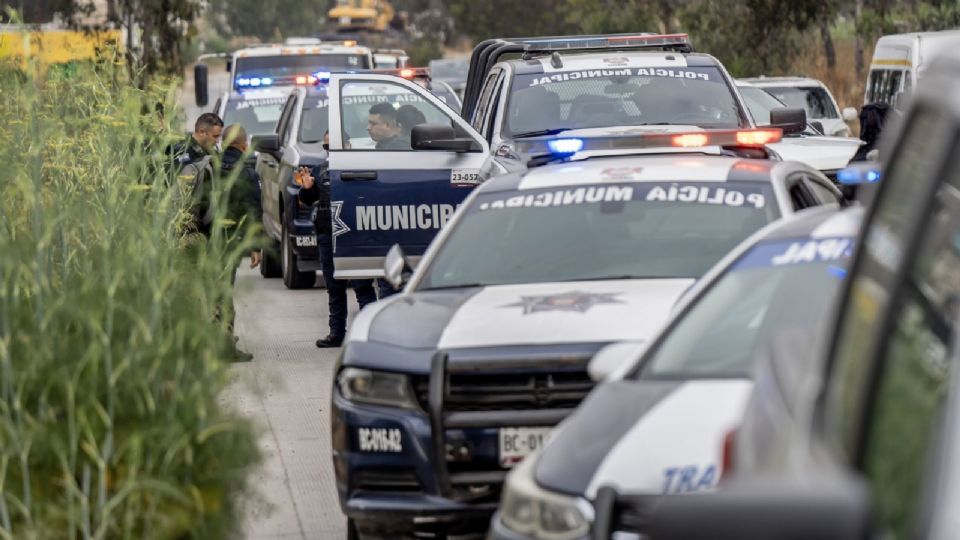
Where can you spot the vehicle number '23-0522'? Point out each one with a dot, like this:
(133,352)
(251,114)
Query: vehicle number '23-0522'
(518,443)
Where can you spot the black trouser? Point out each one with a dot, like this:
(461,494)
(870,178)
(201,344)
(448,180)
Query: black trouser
(337,288)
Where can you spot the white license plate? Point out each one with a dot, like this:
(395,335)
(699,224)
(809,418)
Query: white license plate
(306,241)
(518,443)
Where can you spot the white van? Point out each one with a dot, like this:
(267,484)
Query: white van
(899,60)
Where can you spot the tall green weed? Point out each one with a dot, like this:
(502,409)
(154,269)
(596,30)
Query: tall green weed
(111,352)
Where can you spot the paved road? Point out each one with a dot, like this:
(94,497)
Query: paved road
(286,390)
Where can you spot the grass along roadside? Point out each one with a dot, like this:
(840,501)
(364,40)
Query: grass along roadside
(111,357)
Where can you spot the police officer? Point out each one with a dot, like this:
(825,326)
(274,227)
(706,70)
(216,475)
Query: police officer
(201,143)
(315,189)
(384,128)
(241,182)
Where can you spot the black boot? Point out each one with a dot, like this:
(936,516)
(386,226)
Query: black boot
(330,342)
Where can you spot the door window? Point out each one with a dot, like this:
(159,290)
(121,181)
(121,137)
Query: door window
(380,115)
(884,85)
(285,119)
(823,193)
(901,202)
(914,372)
(479,112)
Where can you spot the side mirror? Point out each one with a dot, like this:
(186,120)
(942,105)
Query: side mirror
(790,120)
(610,358)
(835,508)
(396,268)
(200,90)
(229,65)
(268,144)
(818,125)
(850,114)
(438,137)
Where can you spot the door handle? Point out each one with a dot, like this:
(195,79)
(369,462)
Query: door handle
(349,176)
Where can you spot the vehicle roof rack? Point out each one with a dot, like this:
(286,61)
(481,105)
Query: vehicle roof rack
(487,53)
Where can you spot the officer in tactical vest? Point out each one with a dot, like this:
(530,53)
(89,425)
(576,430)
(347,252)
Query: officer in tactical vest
(315,190)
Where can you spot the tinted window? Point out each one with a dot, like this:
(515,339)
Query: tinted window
(313,120)
(608,231)
(760,103)
(621,97)
(813,99)
(772,301)
(916,368)
(357,99)
(884,85)
(257,116)
(902,198)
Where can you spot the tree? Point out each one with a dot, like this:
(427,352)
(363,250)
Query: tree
(157,31)
(267,19)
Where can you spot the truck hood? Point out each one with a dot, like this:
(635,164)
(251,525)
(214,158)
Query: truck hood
(821,153)
(644,437)
(527,314)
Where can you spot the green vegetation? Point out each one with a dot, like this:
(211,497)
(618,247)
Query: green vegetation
(111,355)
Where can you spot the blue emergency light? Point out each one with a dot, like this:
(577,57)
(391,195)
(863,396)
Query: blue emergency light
(565,146)
(322,75)
(852,176)
(245,82)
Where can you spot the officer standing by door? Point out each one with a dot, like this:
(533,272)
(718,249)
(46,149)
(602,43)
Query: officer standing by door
(315,190)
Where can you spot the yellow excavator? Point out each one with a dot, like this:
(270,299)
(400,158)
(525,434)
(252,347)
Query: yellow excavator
(361,15)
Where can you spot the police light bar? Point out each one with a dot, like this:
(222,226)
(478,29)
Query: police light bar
(612,41)
(406,73)
(566,146)
(254,82)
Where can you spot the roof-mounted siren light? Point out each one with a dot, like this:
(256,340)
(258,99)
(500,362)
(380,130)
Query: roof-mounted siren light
(729,138)
(680,42)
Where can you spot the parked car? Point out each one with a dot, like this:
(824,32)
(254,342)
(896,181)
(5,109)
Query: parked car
(826,154)
(814,97)
(900,60)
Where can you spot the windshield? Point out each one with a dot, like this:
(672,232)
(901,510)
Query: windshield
(813,99)
(281,66)
(760,103)
(449,69)
(774,300)
(257,116)
(621,97)
(313,121)
(608,231)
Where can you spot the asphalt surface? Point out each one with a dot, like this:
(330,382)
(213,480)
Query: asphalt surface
(286,391)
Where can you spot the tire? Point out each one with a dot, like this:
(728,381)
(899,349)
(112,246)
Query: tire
(270,265)
(352,532)
(293,278)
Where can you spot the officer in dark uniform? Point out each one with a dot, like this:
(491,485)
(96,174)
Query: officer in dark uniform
(244,210)
(315,189)
(201,143)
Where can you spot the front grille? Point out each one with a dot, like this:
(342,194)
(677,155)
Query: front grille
(482,390)
(390,481)
(542,389)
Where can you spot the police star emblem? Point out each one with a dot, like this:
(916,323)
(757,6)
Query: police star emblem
(339,227)
(575,301)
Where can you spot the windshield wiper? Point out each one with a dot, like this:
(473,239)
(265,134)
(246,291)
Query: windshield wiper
(540,133)
(457,286)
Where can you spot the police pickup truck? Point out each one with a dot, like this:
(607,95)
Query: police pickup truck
(442,388)
(380,197)
(269,65)
(585,85)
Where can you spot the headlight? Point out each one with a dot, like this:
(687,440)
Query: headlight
(528,509)
(376,388)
